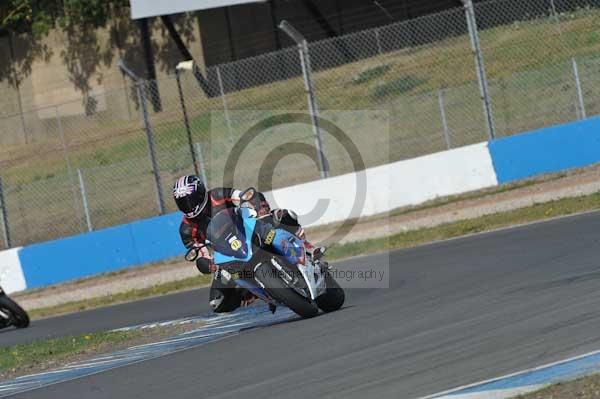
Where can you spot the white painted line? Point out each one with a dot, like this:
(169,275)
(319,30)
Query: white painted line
(495,394)
(518,373)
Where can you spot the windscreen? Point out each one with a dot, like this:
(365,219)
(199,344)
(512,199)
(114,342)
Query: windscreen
(226,234)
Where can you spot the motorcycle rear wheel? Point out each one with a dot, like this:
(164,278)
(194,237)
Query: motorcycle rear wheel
(19,318)
(279,291)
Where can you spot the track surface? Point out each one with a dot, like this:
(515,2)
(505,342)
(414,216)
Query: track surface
(457,312)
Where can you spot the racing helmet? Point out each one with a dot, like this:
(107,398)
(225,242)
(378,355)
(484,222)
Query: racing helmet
(190,195)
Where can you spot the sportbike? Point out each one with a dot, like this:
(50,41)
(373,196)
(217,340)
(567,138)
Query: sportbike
(11,314)
(269,262)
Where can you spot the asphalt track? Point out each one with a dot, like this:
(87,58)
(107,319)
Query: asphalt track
(456,312)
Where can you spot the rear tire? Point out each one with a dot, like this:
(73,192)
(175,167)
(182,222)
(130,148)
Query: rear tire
(19,317)
(279,291)
(334,296)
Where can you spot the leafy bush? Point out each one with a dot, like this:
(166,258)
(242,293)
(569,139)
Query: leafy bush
(370,73)
(396,87)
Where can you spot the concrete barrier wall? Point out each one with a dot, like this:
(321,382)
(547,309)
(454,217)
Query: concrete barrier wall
(11,273)
(380,189)
(387,187)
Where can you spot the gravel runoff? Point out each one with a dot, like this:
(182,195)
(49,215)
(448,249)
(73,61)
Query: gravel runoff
(583,182)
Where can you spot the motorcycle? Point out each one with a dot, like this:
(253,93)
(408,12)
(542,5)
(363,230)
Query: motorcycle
(269,262)
(11,314)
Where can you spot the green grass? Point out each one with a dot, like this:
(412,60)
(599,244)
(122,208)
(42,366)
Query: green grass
(370,73)
(396,87)
(132,295)
(39,353)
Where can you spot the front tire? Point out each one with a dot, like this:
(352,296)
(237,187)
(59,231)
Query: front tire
(279,291)
(333,298)
(19,318)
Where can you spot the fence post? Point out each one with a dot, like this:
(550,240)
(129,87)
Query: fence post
(444,119)
(126,92)
(186,120)
(480,67)
(581,109)
(12,62)
(310,91)
(225,106)
(86,208)
(378,40)
(63,142)
(202,165)
(141,95)
(555,15)
(141,92)
(4,214)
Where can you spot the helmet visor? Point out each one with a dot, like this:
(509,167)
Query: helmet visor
(192,204)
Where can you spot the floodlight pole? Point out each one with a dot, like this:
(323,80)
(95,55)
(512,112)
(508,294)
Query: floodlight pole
(310,91)
(182,66)
(149,60)
(141,92)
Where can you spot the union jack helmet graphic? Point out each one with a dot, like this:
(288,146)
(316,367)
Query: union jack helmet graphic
(190,195)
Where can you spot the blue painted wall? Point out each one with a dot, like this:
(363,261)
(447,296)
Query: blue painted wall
(552,149)
(133,244)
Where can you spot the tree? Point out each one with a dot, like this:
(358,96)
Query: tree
(27,22)
(18,16)
(39,16)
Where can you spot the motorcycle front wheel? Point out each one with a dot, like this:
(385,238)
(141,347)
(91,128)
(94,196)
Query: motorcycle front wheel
(333,297)
(279,291)
(18,316)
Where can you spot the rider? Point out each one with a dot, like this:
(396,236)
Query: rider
(198,206)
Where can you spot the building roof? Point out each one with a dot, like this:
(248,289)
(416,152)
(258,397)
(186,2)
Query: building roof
(153,8)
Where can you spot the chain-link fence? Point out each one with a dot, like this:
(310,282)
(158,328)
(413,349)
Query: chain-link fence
(398,91)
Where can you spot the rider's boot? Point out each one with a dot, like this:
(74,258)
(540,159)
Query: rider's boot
(272,307)
(248,298)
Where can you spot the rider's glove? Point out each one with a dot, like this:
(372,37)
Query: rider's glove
(204,261)
(203,251)
(205,266)
(261,205)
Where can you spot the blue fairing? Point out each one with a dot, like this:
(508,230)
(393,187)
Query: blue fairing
(241,225)
(249,224)
(289,246)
